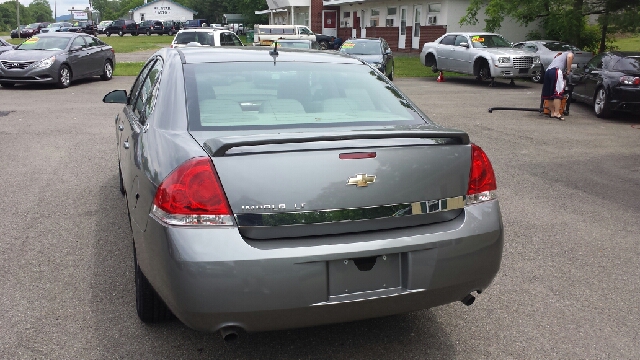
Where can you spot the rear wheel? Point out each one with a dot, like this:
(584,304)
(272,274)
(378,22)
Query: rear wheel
(148,32)
(107,33)
(64,77)
(120,33)
(149,305)
(601,104)
(107,71)
(323,45)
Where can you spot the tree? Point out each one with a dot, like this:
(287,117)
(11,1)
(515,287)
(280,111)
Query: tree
(8,15)
(40,11)
(564,20)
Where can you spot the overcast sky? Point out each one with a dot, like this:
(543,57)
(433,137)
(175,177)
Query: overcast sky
(63,5)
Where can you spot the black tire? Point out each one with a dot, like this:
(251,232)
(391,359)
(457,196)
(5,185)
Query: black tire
(149,305)
(107,71)
(601,105)
(484,72)
(122,190)
(7,85)
(390,77)
(120,33)
(135,34)
(323,45)
(64,77)
(148,32)
(107,33)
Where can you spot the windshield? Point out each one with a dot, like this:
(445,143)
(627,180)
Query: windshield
(44,43)
(489,41)
(202,38)
(33,26)
(291,95)
(559,46)
(361,48)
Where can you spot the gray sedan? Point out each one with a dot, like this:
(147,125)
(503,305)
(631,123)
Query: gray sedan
(56,58)
(547,50)
(271,190)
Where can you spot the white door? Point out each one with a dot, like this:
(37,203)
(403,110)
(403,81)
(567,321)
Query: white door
(417,14)
(402,39)
(363,28)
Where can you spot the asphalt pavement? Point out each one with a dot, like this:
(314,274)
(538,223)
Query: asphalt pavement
(569,191)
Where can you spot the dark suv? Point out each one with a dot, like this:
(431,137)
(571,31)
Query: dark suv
(88,27)
(33,29)
(146,27)
(122,27)
(171,27)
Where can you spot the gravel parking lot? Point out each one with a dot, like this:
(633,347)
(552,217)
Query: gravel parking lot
(569,192)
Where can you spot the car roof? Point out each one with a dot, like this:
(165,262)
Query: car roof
(363,39)
(625,53)
(471,33)
(204,30)
(209,54)
(60,34)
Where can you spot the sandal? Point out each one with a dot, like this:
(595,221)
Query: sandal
(559,117)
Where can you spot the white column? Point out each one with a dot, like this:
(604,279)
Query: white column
(293,16)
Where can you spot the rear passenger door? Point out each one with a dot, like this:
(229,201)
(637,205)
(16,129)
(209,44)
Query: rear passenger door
(444,51)
(95,54)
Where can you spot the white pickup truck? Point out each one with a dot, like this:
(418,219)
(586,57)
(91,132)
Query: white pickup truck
(267,34)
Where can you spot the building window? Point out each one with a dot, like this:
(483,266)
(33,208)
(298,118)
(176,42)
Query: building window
(141,17)
(434,7)
(375,17)
(391,16)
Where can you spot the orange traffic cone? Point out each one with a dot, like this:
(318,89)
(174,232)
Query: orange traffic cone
(440,77)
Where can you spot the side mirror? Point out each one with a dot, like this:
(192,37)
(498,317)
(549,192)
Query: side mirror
(116,97)
(75,48)
(464,44)
(387,52)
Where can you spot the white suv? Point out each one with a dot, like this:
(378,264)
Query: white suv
(206,37)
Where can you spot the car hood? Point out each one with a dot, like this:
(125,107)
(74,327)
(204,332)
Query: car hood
(508,51)
(29,55)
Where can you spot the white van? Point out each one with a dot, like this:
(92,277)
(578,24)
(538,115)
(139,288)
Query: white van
(267,34)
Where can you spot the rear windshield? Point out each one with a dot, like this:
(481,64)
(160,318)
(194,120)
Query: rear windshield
(629,63)
(192,36)
(291,94)
(44,43)
(558,46)
(361,48)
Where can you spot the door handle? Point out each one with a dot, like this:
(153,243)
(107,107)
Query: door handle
(120,127)
(126,144)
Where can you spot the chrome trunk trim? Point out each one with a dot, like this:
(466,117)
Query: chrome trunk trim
(354,214)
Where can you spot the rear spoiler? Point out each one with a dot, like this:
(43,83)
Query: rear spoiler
(218,147)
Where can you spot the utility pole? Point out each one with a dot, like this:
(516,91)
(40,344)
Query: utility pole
(18,17)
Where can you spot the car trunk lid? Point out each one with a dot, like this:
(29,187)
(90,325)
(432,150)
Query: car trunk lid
(300,184)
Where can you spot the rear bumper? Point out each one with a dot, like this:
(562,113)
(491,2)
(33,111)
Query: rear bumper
(626,98)
(211,278)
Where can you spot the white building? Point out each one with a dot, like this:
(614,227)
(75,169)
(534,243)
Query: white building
(405,24)
(162,10)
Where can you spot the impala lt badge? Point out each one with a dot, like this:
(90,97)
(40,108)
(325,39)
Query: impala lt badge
(361,180)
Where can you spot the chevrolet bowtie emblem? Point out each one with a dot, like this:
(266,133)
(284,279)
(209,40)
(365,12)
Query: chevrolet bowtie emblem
(361,180)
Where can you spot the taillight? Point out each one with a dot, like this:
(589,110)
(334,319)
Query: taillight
(630,80)
(192,195)
(482,180)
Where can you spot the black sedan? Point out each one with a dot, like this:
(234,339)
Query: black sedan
(374,51)
(610,82)
(56,58)
(15,33)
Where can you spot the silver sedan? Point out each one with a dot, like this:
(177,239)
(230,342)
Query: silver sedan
(547,50)
(280,189)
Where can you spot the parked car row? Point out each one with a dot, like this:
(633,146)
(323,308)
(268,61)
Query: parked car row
(147,27)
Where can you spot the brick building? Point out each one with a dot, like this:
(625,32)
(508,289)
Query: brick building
(406,25)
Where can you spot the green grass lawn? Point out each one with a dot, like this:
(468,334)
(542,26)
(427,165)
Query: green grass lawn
(128,43)
(410,66)
(128,68)
(628,43)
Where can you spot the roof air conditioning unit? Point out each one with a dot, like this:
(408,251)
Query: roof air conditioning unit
(432,20)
